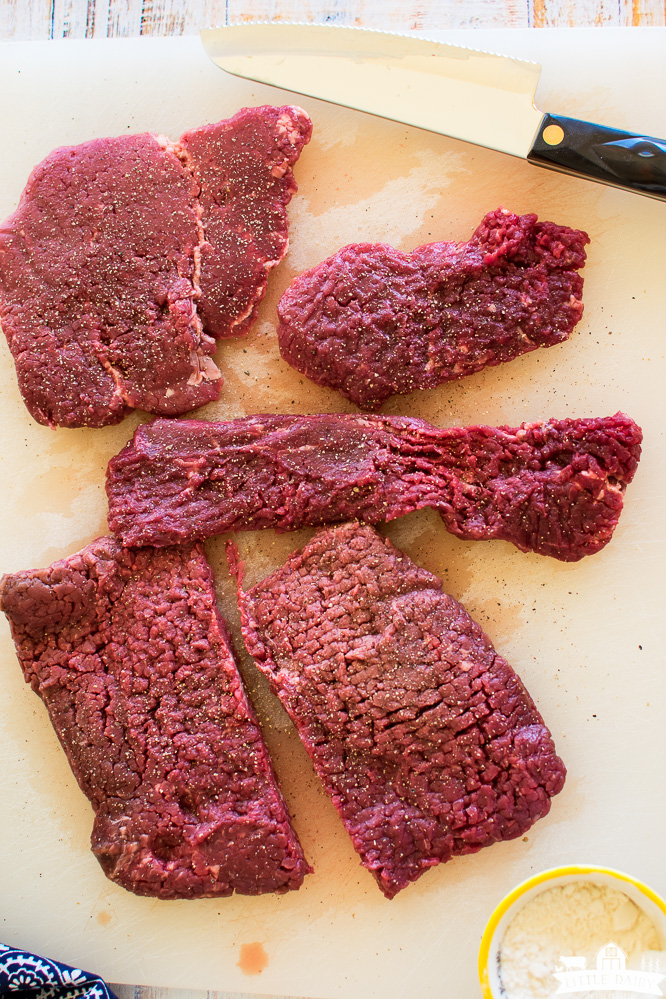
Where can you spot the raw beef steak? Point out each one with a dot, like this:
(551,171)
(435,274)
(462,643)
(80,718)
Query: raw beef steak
(555,487)
(424,737)
(242,168)
(131,657)
(127,256)
(371,321)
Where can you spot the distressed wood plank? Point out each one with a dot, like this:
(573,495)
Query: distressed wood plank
(415,16)
(124,18)
(596,13)
(646,13)
(25,19)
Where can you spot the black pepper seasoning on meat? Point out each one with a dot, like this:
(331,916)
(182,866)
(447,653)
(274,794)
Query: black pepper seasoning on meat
(424,737)
(371,321)
(555,487)
(128,257)
(132,659)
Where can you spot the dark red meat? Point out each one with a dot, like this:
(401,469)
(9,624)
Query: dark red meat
(424,737)
(125,254)
(131,657)
(555,487)
(371,321)
(243,170)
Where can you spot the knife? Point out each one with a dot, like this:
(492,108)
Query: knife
(476,96)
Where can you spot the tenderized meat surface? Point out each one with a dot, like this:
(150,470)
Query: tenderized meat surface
(243,168)
(127,258)
(424,737)
(131,657)
(371,321)
(555,487)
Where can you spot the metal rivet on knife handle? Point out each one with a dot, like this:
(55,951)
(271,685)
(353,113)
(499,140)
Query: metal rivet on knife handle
(553,134)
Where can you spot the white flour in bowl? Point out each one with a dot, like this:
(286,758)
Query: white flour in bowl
(572,927)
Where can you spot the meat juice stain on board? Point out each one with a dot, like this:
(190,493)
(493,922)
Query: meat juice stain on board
(448,557)
(253,958)
(49,791)
(318,825)
(373,147)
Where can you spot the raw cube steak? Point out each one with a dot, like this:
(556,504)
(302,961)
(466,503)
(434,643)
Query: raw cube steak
(555,487)
(127,258)
(424,737)
(371,320)
(131,657)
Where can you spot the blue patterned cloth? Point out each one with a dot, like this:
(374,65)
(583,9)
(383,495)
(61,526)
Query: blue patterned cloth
(27,976)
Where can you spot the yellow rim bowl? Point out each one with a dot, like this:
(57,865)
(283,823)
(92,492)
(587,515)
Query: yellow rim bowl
(652,905)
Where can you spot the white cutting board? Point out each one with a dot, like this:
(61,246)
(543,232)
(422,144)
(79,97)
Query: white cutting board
(587,639)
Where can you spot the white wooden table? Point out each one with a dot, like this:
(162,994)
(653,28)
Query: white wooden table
(43,19)
(32,19)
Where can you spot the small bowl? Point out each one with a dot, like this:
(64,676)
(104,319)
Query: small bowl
(645,898)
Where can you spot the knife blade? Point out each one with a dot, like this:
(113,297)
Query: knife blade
(479,97)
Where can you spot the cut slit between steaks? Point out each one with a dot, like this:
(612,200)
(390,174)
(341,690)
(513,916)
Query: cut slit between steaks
(127,258)
(133,661)
(554,487)
(423,736)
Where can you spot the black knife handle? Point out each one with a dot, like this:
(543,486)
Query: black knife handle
(607,155)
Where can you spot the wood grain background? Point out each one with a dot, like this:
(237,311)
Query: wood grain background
(40,19)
